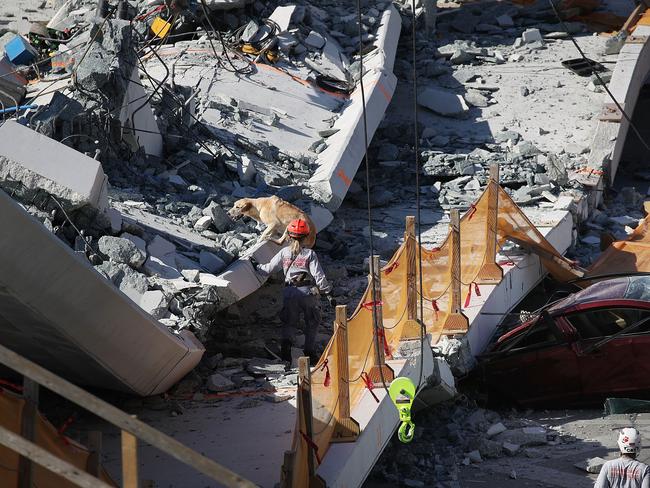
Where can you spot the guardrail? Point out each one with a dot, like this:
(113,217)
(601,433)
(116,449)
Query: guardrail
(132,430)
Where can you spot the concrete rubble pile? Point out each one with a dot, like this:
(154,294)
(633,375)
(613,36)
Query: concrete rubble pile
(171,148)
(460,434)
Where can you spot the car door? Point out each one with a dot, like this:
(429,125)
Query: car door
(612,360)
(538,367)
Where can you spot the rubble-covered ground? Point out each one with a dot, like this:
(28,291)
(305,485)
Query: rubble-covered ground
(491,89)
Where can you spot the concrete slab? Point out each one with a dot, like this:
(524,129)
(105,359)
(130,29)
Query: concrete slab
(56,310)
(136,114)
(339,162)
(39,163)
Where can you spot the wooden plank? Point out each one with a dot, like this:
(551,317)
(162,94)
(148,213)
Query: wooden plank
(122,420)
(456,322)
(94,444)
(491,272)
(380,372)
(27,430)
(129,460)
(304,373)
(286,478)
(42,457)
(347,429)
(411,329)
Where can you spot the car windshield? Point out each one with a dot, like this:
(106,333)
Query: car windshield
(603,290)
(639,288)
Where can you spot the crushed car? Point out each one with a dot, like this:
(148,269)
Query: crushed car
(576,351)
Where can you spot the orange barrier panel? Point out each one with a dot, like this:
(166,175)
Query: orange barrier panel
(47,437)
(492,220)
(629,256)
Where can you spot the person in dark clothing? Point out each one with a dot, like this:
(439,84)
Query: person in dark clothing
(304,282)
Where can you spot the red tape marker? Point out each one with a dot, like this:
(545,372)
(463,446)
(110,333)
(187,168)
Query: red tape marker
(311,444)
(371,305)
(436,309)
(391,268)
(326,368)
(381,334)
(369,384)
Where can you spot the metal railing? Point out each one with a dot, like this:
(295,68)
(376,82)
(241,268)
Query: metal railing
(132,430)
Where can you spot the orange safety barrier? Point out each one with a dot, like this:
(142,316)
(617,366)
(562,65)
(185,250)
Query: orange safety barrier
(47,437)
(452,276)
(628,256)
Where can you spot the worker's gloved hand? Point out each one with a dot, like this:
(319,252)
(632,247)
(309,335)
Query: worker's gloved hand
(330,300)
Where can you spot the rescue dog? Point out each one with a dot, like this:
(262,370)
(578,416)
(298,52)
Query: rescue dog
(276,214)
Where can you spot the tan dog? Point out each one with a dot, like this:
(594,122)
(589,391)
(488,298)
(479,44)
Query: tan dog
(276,214)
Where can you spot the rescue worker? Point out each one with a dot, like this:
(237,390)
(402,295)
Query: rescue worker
(626,471)
(304,281)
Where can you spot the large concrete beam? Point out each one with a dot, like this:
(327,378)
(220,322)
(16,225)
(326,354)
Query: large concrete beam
(56,310)
(339,162)
(629,76)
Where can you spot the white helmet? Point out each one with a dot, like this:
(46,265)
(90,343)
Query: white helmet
(629,441)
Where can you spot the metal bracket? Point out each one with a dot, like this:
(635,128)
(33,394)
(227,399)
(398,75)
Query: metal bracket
(636,39)
(611,113)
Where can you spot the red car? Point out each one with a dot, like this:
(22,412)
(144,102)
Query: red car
(580,350)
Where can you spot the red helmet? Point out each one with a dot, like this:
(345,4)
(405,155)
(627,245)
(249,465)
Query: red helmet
(298,228)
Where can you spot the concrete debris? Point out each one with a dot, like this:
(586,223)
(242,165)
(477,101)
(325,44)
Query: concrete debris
(219,383)
(591,465)
(120,250)
(443,102)
(180,135)
(532,35)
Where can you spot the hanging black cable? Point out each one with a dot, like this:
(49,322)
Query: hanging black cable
(600,80)
(416,148)
(375,317)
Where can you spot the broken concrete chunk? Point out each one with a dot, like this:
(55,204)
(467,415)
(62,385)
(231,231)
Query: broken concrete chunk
(532,35)
(155,303)
(461,56)
(476,99)
(264,367)
(138,241)
(282,16)
(314,40)
(159,247)
(475,457)
(496,429)
(443,102)
(592,465)
(220,219)
(211,262)
(115,218)
(31,162)
(510,449)
(203,223)
(121,250)
(527,436)
(219,383)
(505,21)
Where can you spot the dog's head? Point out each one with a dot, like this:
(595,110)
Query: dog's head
(240,208)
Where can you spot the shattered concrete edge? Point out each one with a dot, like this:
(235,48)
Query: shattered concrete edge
(628,78)
(338,164)
(56,310)
(36,162)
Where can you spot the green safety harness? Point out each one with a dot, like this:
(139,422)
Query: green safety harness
(402,392)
